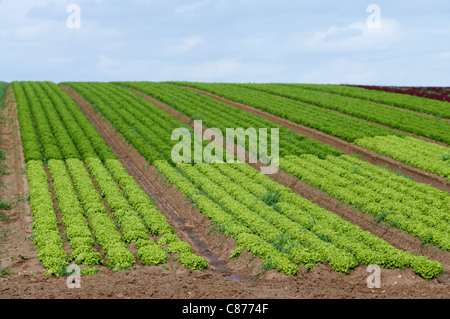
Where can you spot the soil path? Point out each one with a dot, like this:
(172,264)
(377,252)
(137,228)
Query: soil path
(17,253)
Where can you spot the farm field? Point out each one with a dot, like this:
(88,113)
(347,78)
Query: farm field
(89,179)
(437,93)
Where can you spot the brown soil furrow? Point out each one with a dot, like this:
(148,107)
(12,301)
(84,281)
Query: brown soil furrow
(396,238)
(348,148)
(189,223)
(17,160)
(17,250)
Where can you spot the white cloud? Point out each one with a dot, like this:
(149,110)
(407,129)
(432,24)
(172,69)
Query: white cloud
(32,31)
(223,40)
(111,68)
(444,55)
(12,10)
(188,8)
(180,47)
(342,71)
(118,67)
(233,70)
(356,37)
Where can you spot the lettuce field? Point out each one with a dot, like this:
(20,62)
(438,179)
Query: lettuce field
(89,180)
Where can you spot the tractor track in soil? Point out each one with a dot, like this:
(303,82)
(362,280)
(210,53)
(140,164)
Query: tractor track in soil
(15,245)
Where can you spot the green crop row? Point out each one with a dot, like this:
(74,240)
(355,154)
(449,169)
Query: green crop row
(339,125)
(406,101)
(292,230)
(30,142)
(396,118)
(131,205)
(3,87)
(133,227)
(73,219)
(139,200)
(84,135)
(52,134)
(227,223)
(324,236)
(150,144)
(46,110)
(47,137)
(53,121)
(103,226)
(145,126)
(429,157)
(216,114)
(366,248)
(266,221)
(46,234)
(418,209)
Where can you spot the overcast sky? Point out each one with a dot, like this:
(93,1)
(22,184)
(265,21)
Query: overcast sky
(309,41)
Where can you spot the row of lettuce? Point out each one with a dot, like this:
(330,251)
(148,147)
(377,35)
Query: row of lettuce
(102,208)
(269,220)
(308,107)
(440,109)
(427,156)
(156,142)
(352,190)
(3,87)
(401,119)
(415,208)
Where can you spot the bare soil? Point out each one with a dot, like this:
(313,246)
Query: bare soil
(17,253)
(239,278)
